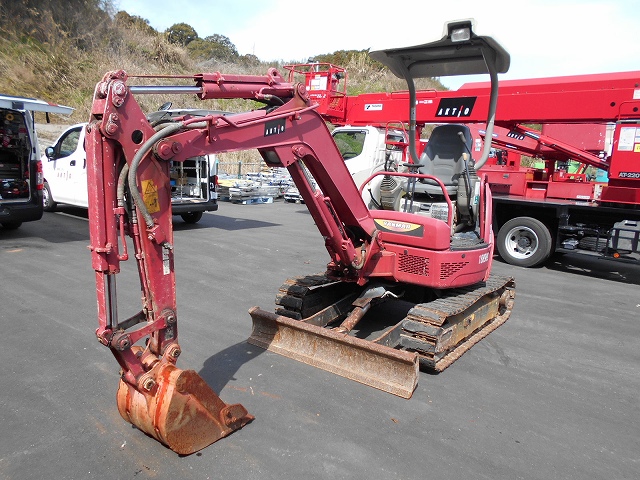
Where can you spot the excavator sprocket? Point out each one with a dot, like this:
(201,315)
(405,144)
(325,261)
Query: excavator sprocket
(433,334)
(180,410)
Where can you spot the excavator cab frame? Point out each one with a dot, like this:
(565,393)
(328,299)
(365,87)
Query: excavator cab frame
(459,52)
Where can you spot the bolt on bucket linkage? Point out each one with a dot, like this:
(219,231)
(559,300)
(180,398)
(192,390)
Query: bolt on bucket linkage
(179,409)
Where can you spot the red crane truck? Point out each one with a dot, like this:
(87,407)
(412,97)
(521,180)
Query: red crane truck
(536,211)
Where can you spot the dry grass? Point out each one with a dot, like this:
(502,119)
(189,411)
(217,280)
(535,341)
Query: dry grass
(37,59)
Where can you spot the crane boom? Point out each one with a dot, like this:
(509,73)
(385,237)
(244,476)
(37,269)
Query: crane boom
(593,98)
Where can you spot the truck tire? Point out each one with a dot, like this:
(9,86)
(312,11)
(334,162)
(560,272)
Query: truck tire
(524,242)
(191,217)
(11,225)
(47,200)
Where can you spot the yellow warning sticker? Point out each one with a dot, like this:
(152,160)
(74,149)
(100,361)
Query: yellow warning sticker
(636,148)
(150,196)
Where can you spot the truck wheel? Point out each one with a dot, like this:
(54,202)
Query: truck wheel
(11,225)
(191,217)
(524,241)
(47,200)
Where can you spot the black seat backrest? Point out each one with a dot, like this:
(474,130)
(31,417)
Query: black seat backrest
(443,157)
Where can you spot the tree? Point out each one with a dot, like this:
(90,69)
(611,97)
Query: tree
(249,60)
(181,34)
(214,47)
(222,48)
(200,49)
(134,21)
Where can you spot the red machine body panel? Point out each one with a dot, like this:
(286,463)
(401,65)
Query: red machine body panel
(591,137)
(596,98)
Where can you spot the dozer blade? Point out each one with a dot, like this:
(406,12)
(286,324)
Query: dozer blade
(180,410)
(372,364)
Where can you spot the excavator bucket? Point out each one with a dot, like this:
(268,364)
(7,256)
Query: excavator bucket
(373,364)
(180,410)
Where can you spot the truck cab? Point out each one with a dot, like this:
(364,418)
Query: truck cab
(365,150)
(21,180)
(65,170)
(193,182)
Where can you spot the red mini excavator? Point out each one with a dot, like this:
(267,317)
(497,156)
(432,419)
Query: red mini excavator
(439,263)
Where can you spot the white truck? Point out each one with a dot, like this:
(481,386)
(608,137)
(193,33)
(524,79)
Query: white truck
(21,180)
(366,149)
(193,182)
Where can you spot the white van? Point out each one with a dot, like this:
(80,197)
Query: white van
(20,167)
(193,182)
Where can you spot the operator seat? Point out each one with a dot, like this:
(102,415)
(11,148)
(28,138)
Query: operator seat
(443,158)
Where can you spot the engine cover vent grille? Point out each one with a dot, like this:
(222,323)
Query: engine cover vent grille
(450,268)
(414,264)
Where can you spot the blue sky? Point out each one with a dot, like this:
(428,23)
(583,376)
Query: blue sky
(544,37)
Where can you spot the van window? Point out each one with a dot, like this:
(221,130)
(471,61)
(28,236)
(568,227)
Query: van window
(68,143)
(350,143)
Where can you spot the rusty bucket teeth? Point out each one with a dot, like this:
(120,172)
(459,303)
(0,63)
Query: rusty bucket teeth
(180,410)
(372,364)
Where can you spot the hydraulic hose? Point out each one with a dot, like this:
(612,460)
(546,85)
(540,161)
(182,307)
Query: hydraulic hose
(123,177)
(412,114)
(133,169)
(493,103)
(121,184)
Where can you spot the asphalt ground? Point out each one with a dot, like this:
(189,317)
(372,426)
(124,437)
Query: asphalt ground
(553,393)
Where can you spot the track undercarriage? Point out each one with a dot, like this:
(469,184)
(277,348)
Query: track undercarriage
(437,328)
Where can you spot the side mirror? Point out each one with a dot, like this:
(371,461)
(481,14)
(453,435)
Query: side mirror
(213,165)
(50,153)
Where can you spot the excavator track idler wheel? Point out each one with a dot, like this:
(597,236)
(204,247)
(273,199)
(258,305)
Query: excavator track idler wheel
(180,410)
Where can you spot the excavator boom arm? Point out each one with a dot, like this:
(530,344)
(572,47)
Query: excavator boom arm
(292,136)
(128,163)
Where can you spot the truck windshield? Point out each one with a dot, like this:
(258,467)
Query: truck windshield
(350,143)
